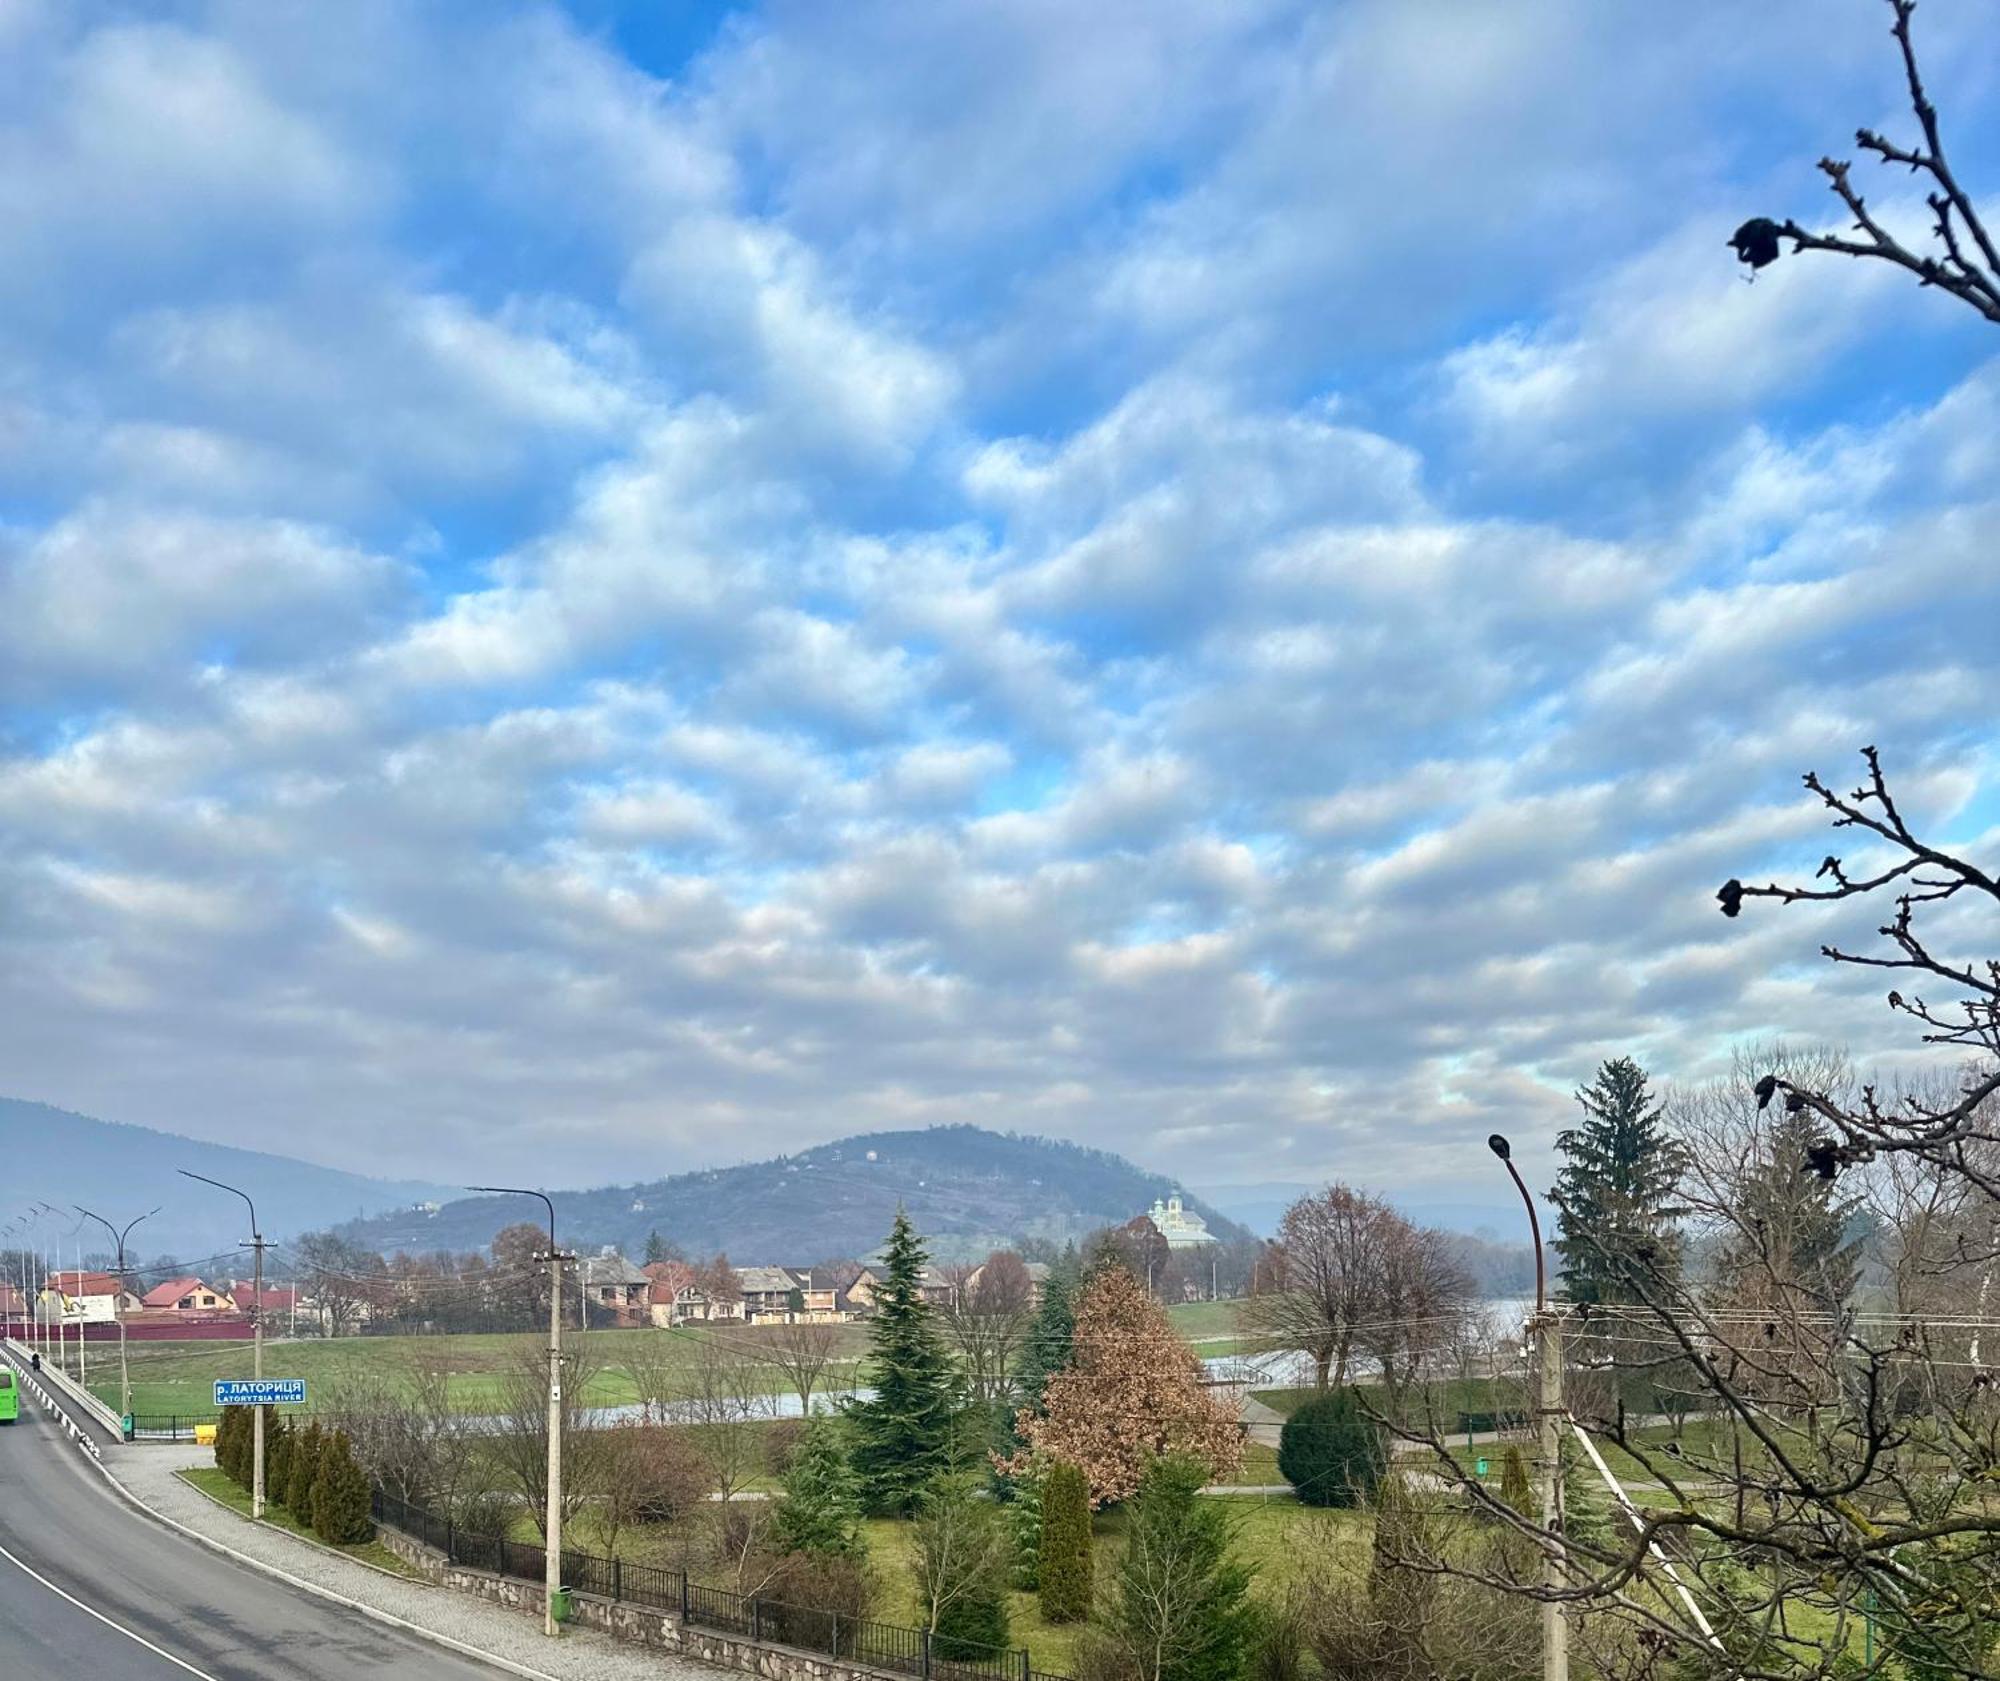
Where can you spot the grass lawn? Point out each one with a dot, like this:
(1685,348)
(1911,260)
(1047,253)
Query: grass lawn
(177,1378)
(1205,1319)
(218,1485)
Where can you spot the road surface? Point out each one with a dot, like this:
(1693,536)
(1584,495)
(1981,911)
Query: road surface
(92,1590)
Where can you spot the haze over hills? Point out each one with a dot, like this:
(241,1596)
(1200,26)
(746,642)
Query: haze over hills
(55,1156)
(968,1190)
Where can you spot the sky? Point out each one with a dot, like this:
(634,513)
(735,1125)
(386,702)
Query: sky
(588,592)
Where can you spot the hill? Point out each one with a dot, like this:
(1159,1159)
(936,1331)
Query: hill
(52,1155)
(968,1190)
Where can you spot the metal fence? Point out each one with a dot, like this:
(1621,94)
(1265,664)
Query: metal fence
(169,1427)
(810,1628)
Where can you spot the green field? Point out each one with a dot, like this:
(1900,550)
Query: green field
(178,1378)
(1198,1321)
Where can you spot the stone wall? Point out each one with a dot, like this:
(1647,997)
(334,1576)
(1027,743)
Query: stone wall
(640,1624)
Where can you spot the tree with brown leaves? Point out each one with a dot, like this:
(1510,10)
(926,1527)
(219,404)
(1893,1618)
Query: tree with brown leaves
(1132,1392)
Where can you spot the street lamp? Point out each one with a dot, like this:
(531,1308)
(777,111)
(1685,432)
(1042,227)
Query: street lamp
(118,1307)
(552,1523)
(256,1339)
(1555,1627)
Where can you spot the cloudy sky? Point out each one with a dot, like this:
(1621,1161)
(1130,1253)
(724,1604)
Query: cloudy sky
(597,590)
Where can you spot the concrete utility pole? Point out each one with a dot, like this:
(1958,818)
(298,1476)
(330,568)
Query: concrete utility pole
(1548,1444)
(552,1523)
(118,1307)
(256,1339)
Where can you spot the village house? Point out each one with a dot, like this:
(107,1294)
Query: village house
(92,1297)
(277,1305)
(188,1295)
(615,1290)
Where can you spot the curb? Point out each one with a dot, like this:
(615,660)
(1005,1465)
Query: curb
(374,1613)
(81,1437)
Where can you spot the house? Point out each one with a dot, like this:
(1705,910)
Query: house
(1181,1228)
(93,1297)
(188,1295)
(615,1290)
(936,1286)
(277,1302)
(13,1305)
(768,1292)
(1038,1278)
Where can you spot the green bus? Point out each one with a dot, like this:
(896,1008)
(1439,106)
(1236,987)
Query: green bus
(10,1395)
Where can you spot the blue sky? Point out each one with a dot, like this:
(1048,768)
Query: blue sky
(608,589)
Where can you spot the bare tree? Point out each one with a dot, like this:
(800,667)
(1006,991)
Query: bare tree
(405,1432)
(521,1448)
(1324,1279)
(986,1318)
(721,1398)
(1964,261)
(800,1351)
(651,1361)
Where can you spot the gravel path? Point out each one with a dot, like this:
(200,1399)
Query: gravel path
(580,1655)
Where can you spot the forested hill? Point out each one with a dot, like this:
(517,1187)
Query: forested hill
(968,1190)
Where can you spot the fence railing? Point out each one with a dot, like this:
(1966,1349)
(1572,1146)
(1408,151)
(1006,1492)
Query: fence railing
(169,1427)
(810,1628)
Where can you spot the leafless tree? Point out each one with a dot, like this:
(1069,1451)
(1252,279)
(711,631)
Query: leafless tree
(406,1433)
(651,1361)
(720,1396)
(986,1318)
(800,1351)
(1963,261)
(521,1447)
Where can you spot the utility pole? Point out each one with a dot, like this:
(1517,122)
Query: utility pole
(552,1522)
(1548,1443)
(118,1308)
(256,1340)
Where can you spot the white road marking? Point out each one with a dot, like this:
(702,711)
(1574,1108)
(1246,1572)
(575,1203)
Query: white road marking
(90,1611)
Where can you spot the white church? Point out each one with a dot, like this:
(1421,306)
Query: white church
(1181,1228)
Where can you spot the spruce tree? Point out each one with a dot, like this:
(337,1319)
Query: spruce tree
(1794,1226)
(340,1494)
(821,1511)
(1615,1195)
(1064,1566)
(277,1457)
(1051,1338)
(902,1433)
(1182,1607)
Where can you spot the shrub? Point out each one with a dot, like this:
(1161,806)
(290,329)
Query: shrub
(226,1432)
(782,1437)
(975,1624)
(806,1592)
(340,1495)
(1331,1452)
(302,1472)
(1021,1511)
(1064,1569)
(1182,1604)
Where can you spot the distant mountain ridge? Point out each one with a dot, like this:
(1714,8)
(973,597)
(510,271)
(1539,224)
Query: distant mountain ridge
(62,1158)
(968,1191)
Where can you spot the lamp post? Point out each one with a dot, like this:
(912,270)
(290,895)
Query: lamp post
(1548,1414)
(118,1305)
(552,1523)
(256,1339)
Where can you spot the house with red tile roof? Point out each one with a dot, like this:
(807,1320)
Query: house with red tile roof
(188,1295)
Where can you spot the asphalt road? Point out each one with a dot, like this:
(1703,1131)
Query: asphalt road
(165,1608)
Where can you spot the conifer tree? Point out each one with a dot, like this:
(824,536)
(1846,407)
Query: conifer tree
(1793,1226)
(1182,1609)
(340,1494)
(277,1457)
(902,1434)
(1050,1343)
(1331,1452)
(1615,1195)
(821,1511)
(302,1472)
(1064,1571)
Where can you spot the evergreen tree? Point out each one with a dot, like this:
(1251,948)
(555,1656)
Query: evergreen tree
(226,1436)
(1517,1488)
(1330,1451)
(1615,1195)
(959,1551)
(1795,1228)
(1182,1610)
(302,1472)
(277,1457)
(656,1248)
(340,1494)
(1064,1567)
(821,1511)
(1051,1338)
(902,1434)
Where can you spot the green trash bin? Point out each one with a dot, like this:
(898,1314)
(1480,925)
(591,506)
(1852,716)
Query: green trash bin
(559,1605)
(125,1426)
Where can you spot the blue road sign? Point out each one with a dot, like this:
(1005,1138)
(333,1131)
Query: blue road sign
(260,1392)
